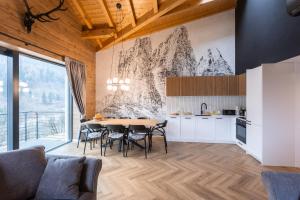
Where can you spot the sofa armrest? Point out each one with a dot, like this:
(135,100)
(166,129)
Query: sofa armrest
(281,185)
(89,175)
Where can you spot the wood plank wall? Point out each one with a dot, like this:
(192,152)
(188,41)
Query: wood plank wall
(62,37)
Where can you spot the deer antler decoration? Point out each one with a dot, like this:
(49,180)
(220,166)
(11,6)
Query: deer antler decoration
(30,18)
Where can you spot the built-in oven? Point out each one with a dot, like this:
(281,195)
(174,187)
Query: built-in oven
(241,124)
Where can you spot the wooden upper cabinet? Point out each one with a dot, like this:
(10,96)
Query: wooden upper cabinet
(220,86)
(206,86)
(242,85)
(233,87)
(173,86)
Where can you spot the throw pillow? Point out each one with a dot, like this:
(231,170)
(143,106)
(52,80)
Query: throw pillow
(61,179)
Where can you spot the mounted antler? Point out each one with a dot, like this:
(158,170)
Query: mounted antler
(29,17)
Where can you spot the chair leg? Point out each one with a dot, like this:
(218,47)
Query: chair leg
(79,137)
(128,144)
(91,141)
(166,144)
(84,145)
(145,147)
(123,147)
(101,143)
(106,143)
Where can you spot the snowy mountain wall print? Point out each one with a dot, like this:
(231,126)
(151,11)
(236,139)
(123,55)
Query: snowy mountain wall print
(201,48)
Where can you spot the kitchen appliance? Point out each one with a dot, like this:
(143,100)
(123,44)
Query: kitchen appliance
(241,126)
(242,112)
(293,7)
(228,112)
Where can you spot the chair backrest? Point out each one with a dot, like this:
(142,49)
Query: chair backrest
(94,127)
(138,128)
(125,117)
(116,128)
(162,124)
(142,118)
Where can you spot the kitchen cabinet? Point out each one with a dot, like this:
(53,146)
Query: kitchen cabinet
(214,129)
(187,128)
(221,86)
(173,128)
(205,86)
(222,129)
(254,141)
(173,85)
(241,84)
(254,96)
(204,129)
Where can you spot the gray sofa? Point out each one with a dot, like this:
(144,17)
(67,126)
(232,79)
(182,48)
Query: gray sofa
(21,171)
(282,185)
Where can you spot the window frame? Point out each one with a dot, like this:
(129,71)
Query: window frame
(13,99)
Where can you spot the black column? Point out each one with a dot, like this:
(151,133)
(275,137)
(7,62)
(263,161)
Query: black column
(13,100)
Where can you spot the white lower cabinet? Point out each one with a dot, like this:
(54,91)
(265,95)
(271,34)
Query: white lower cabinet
(187,128)
(222,129)
(204,129)
(173,128)
(254,141)
(216,129)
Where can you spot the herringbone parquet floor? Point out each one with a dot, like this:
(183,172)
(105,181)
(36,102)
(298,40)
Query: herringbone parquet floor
(188,171)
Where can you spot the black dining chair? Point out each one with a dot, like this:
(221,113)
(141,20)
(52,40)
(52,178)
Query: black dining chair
(159,130)
(115,133)
(137,133)
(82,130)
(93,133)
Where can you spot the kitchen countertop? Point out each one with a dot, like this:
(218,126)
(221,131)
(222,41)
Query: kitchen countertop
(209,116)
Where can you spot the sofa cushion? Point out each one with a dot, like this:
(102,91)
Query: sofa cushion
(61,179)
(282,186)
(20,172)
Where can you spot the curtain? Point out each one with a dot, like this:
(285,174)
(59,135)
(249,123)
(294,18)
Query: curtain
(77,80)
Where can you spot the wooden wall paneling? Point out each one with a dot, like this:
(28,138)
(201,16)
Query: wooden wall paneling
(173,86)
(242,84)
(61,37)
(220,86)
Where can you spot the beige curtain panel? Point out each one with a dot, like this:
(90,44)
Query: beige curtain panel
(77,80)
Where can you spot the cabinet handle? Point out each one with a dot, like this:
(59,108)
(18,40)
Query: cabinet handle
(219,118)
(173,117)
(204,118)
(187,118)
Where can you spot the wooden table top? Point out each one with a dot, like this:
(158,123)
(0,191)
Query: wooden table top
(125,122)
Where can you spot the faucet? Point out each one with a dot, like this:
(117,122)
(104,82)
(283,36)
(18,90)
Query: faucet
(202,110)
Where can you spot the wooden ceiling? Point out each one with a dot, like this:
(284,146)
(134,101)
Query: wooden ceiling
(104,24)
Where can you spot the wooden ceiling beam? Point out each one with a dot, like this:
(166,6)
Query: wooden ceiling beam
(98,33)
(132,13)
(86,20)
(149,17)
(155,6)
(106,13)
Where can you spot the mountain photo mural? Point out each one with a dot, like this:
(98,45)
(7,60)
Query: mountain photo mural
(147,67)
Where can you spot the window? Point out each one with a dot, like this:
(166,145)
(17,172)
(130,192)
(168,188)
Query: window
(3,102)
(43,103)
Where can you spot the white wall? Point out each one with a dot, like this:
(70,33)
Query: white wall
(201,47)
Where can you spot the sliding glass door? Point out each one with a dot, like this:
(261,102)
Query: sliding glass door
(43,103)
(3,102)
